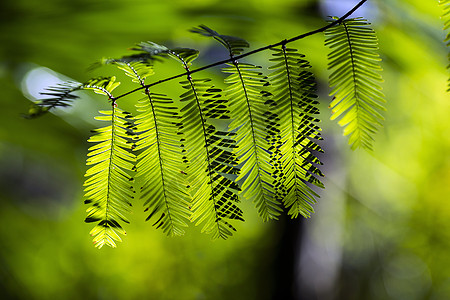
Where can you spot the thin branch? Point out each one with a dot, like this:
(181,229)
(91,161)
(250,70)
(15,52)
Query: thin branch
(283,42)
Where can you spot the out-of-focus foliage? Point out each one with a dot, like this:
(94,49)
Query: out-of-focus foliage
(382,228)
(446,17)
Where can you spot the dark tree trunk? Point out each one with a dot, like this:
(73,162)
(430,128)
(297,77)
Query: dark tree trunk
(286,258)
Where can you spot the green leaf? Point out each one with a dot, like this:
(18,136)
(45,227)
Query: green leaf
(235,45)
(357,97)
(60,95)
(294,91)
(108,187)
(446,18)
(148,53)
(213,165)
(162,163)
(102,85)
(137,70)
(255,125)
(151,48)
(184,55)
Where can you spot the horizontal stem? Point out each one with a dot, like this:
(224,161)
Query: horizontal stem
(283,42)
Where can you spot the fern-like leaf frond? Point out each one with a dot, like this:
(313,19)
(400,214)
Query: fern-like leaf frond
(255,125)
(357,96)
(147,53)
(151,48)
(185,55)
(235,45)
(209,153)
(161,160)
(60,95)
(294,90)
(446,17)
(162,163)
(102,85)
(138,71)
(108,187)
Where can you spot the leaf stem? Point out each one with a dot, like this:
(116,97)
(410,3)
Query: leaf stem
(283,42)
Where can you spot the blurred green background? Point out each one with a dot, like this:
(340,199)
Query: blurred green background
(381,228)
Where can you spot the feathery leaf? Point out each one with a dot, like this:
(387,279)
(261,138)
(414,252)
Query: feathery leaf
(148,53)
(161,161)
(102,85)
(255,126)
(60,95)
(294,91)
(213,165)
(109,183)
(138,71)
(446,18)
(357,96)
(235,45)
